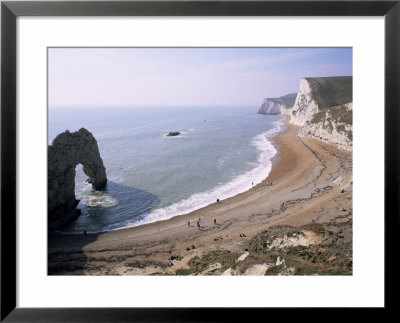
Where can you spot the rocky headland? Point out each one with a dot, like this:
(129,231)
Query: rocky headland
(323,108)
(68,150)
(298,221)
(277,105)
(299,225)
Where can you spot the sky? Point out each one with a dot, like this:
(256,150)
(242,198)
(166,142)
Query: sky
(139,77)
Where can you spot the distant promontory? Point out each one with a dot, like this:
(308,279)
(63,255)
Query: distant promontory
(323,108)
(276,105)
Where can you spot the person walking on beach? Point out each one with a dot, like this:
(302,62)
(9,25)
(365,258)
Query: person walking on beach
(215,221)
(198,224)
(188,223)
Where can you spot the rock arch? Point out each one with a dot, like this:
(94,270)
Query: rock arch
(67,150)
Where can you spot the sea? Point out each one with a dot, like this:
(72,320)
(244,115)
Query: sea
(221,152)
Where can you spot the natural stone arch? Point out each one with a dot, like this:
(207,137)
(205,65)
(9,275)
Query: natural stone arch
(68,150)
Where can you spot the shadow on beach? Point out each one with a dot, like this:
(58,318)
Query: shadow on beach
(66,254)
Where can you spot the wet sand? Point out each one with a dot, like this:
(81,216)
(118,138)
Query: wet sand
(305,189)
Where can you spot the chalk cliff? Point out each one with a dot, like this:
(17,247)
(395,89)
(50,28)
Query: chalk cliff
(320,93)
(324,109)
(332,125)
(67,150)
(277,105)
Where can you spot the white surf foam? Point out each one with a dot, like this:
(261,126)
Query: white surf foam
(239,184)
(180,136)
(94,198)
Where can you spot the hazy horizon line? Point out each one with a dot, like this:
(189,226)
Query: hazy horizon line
(154,106)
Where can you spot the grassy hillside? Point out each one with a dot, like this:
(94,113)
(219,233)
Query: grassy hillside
(288,100)
(339,114)
(331,91)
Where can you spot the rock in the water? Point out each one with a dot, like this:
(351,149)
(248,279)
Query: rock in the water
(173,133)
(66,151)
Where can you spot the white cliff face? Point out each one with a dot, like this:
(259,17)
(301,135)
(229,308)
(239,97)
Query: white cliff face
(314,111)
(333,124)
(326,126)
(305,106)
(286,111)
(270,107)
(279,105)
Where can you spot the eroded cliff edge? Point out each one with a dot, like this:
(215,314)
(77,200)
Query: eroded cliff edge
(67,150)
(323,108)
(277,105)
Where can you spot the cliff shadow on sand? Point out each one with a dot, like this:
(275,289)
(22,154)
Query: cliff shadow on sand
(67,253)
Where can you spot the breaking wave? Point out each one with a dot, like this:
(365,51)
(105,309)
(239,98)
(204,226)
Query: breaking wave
(239,184)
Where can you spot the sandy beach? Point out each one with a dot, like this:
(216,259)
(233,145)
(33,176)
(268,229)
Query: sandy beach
(309,188)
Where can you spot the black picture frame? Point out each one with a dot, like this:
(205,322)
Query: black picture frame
(11,10)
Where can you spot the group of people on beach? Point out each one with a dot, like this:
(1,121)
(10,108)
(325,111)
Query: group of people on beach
(192,247)
(198,222)
(170,263)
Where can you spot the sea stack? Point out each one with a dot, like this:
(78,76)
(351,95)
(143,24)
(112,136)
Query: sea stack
(173,133)
(67,150)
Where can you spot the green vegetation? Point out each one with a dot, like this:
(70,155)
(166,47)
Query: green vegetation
(255,258)
(330,255)
(340,115)
(184,272)
(274,270)
(161,274)
(319,117)
(199,264)
(331,91)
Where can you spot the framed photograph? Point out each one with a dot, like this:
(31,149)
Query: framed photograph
(197,158)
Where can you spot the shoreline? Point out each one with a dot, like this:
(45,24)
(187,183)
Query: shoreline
(274,160)
(282,127)
(273,175)
(302,174)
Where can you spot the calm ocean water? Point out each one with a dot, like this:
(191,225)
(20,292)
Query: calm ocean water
(220,153)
